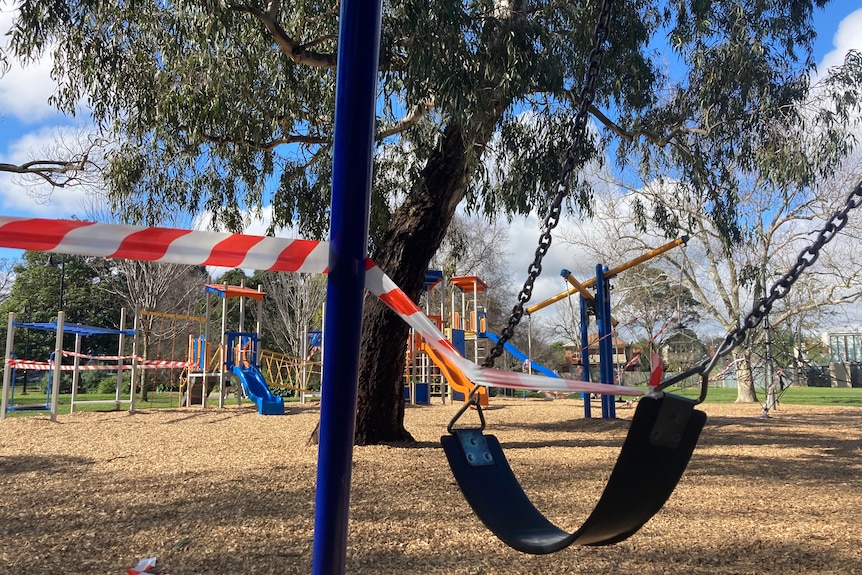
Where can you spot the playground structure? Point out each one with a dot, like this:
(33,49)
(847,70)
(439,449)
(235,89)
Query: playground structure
(237,353)
(429,374)
(664,428)
(198,367)
(166,334)
(598,305)
(54,366)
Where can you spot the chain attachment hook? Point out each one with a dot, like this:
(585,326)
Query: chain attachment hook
(472,401)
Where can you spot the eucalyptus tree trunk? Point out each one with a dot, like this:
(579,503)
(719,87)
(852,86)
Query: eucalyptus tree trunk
(744,380)
(145,346)
(413,236)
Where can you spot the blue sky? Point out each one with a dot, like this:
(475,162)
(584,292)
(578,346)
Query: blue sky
(29,127)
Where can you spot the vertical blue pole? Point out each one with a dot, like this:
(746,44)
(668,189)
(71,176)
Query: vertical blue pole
(358,56)
(606,344)
(585,355)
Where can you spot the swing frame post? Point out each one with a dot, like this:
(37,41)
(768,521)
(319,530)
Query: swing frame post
(355,92)
(7,368)
(605,334)
(58,366)
(585,356)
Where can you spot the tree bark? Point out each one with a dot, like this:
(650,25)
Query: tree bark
(745,392)
(143,379)
(414,234)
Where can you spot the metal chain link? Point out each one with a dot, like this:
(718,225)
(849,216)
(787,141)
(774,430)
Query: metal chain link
(572,161)
(779,289)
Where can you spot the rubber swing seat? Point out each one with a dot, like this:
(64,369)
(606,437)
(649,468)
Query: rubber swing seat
(657,449)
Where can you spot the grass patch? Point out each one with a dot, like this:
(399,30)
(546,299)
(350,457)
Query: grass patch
(851,396)
(831,396)
(155,400)
(827,396)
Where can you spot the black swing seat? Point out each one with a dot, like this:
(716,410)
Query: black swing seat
(657,449)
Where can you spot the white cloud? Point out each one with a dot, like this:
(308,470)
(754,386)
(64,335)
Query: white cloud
(24,90)
(846,38)
(524,235)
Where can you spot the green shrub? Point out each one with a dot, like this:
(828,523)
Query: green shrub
(108,384)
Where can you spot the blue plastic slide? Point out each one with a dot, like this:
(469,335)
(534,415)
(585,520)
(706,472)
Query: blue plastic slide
(520,356)
(256,389)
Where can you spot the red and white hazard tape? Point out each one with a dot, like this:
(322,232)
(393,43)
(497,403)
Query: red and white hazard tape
(46,366)
(97,357)
(155,363)
(25,364)
(201,248)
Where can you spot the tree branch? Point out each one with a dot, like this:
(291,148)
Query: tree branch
(651,136)
(49,170)
(272,8)
(265,146)
(290,47)
(411,119)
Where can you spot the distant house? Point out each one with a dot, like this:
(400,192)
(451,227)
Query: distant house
(682,349)
(621,355)
(844,346)
(845,358)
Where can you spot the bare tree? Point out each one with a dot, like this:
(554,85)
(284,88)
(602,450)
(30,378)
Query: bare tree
(776,224)
(653,299)
(149,286)
(295,307)
(474,245)
(63,164)
(7,277)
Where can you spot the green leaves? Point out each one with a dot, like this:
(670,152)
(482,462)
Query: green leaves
(227,108)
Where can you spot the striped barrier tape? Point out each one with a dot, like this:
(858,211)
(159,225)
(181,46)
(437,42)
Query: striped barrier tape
(97,357)
(142,364)
(203,248)
(24,364)
(156,363)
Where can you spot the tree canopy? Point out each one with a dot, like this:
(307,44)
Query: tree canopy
(227,106)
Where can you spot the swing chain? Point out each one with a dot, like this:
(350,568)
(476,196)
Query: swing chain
(779,289)
(573,159)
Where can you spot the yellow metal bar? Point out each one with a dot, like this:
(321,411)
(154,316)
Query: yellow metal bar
(611,273)
(588,295)
(199,319)
(645,257)
(551,300)
(579,287)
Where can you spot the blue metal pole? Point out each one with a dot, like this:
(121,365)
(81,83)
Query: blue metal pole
(606,344)
(358,56)
(585,355)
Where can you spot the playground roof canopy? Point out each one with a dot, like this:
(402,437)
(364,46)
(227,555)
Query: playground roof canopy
(469,283)
(432,278)
(76,328)
(227,291)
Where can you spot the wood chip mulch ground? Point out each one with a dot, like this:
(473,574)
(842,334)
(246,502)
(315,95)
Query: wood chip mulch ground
(232,492)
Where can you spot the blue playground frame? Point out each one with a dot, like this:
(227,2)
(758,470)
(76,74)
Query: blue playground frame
(355,92)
